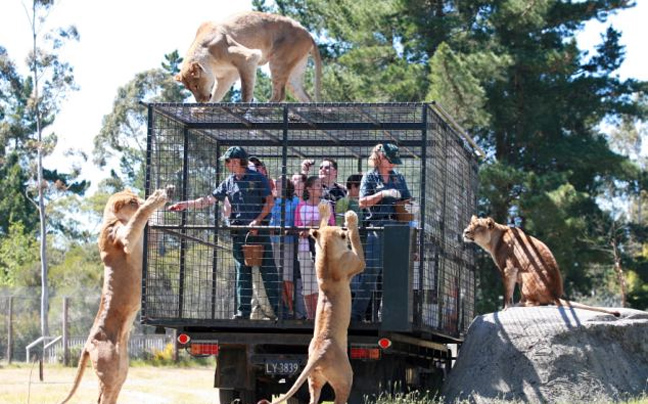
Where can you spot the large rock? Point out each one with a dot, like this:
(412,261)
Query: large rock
(550,354)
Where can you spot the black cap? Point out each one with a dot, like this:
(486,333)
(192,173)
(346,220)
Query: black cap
(234,152)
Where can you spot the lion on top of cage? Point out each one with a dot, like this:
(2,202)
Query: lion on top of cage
(221,53)
(121,247)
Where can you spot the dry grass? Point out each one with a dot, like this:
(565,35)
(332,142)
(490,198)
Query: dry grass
(145,385)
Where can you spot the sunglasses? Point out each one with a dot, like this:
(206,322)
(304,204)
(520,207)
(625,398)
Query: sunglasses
(325,167)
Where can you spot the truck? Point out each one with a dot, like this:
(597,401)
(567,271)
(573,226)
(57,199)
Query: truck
(421,303)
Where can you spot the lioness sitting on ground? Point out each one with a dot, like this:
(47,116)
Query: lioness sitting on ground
(121,245)
(335,265)
(524,260)
(223,52)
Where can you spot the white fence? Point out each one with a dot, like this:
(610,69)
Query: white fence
(139,346)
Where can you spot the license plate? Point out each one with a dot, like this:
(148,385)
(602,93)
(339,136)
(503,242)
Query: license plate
(285,367)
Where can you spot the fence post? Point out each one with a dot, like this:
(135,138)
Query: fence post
(66,348)
(10,330)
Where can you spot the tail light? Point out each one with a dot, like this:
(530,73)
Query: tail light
(204,348)
(198,348)
(369,351)
(366,352)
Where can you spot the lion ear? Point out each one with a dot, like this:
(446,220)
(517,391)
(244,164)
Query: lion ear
(490,223)
(473,218)
(314,233)
(195,70)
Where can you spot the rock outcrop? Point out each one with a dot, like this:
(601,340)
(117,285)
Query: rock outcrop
(551,354)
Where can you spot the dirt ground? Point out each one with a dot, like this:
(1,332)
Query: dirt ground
(145,385)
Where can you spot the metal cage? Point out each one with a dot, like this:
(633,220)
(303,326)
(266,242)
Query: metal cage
(189,273)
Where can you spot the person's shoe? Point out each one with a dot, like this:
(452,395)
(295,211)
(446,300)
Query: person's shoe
(238,316)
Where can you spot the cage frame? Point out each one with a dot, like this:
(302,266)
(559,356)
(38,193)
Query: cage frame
(195,118)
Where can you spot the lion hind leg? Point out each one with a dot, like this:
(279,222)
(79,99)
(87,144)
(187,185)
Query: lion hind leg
(296,81)
(341,377)
(111,366)
(316,382)
(280,72)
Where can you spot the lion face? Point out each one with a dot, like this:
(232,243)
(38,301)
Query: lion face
(332,239)
(479,230)
(122,205)
(197,80)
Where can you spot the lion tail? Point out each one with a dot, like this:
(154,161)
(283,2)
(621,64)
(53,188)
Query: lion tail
(298,383)
(318,71)
(569,303)
(80,370)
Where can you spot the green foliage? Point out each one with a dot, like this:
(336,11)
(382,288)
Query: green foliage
(18,256)
(15,207)
(165,358)
(123,132)
(455,87)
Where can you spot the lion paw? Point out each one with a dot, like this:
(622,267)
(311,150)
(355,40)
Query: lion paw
(159,197)
(350,219)
(170,191)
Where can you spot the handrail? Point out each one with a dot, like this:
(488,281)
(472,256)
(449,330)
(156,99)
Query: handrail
(36,342)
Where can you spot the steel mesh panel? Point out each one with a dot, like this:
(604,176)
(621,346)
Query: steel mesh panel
(190,272)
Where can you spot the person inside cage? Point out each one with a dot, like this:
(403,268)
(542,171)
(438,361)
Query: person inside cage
(299,181)
(332,191)
(251,200)
(381,189)
(350,201)
(261,308)
(307,215)
(283,244)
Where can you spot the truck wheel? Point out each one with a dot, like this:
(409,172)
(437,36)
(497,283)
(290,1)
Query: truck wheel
(226,396)
(247,397)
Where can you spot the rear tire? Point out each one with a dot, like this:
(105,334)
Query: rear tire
(227,396)
(247,397)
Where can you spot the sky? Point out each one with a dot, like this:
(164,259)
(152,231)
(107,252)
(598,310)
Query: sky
(119,39)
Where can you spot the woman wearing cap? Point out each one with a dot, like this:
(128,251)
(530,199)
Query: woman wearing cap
(380,189)
(251,200)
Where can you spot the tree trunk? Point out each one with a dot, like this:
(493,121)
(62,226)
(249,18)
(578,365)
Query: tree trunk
(618,269)
(39,185)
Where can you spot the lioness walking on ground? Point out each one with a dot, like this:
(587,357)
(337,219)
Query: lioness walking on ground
(524,260)
(223,52)
(335,265)
(121,247)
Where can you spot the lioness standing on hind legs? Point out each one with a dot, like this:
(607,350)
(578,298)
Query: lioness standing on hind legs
(335,265)
(223,52)
(522,260)
(121,247)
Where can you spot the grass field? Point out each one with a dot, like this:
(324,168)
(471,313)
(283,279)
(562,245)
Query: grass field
(145,385)
(19,384)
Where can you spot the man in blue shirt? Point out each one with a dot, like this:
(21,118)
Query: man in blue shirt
(251,200)
(380,189)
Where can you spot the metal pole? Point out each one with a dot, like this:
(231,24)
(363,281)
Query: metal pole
(66,348)
(10,330)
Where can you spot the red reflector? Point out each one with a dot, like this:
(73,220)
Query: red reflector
(384,343)
(364,353)
(204,349)
(183,339)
